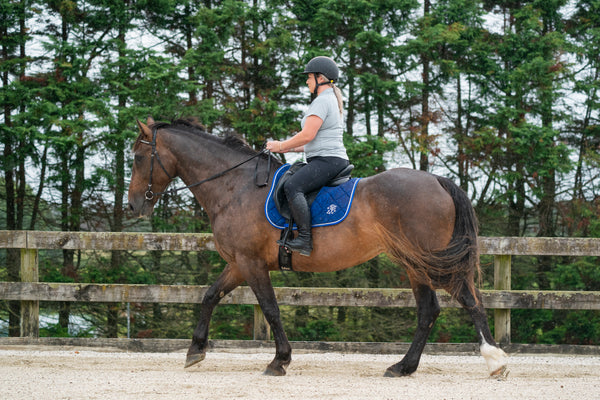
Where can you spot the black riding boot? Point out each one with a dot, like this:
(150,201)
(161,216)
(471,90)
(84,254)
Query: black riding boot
(301,215)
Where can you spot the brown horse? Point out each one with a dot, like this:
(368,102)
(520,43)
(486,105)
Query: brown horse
(423,221)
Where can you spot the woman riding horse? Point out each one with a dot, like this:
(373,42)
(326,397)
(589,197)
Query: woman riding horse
(321,140)
(424,222)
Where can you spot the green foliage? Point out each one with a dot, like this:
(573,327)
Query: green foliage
(56,330)
(323,330)
(367,153)
(232,322)
(52,272)
(454,326)
(551,327)
(263,120)
(582,274)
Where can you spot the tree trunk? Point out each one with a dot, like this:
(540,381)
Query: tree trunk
(350,108)
(425,117)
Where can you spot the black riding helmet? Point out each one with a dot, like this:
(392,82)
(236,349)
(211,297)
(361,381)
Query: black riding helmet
(324,66)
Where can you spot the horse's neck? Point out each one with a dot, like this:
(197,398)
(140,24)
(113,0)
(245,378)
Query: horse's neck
(202,159)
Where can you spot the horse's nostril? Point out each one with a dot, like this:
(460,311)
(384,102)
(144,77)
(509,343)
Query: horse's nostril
(130,207)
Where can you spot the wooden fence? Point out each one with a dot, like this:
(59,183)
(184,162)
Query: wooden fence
(502,299)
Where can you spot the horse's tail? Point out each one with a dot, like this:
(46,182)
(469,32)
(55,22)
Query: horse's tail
(450,268)
(462,253)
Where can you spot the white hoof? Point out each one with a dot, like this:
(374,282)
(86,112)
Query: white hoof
(495,359)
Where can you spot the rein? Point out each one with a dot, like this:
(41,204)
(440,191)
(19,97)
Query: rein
(149,195)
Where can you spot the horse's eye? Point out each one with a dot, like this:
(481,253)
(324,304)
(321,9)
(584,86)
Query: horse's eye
(139,158)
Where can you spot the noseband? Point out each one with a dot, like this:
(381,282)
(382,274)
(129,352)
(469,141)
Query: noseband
(149,194)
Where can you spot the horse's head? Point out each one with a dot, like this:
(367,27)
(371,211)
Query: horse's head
(153,168)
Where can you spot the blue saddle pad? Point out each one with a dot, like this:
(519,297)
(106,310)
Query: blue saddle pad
(331,206)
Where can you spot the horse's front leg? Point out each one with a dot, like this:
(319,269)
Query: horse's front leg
(227,281)
(261,285)
(428,310)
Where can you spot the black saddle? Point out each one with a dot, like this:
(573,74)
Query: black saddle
(279,196)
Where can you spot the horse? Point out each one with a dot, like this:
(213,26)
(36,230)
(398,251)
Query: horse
(424,222)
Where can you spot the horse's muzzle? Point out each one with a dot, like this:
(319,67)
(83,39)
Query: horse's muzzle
(140,211)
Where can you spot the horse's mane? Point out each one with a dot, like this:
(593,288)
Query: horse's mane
(193,126)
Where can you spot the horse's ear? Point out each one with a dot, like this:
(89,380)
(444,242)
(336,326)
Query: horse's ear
(150,121)
(144,130)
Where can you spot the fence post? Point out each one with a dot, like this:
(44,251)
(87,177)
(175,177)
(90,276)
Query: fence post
(30,309)
(502,266)
(262,330)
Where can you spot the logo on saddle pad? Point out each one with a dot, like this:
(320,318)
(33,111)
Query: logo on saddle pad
(330,206)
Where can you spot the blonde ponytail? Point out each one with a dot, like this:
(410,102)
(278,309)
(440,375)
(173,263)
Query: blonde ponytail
(336,91)
(340,100)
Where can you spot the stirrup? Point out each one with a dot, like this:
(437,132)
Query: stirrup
(304,248)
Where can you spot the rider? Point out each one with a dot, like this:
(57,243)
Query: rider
(321,140)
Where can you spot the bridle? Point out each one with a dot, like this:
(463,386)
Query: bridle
(149,194)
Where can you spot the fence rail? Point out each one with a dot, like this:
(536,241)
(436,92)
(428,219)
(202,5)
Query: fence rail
(30,292)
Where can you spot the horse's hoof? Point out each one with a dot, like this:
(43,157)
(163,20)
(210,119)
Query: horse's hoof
(277,367)
(500,374)
(389,373)
(270,371)
(399,369)
(194,359)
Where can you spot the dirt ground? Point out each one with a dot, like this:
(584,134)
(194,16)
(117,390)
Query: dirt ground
(41,372)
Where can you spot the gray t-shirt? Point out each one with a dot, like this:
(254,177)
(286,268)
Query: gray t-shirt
(329,139)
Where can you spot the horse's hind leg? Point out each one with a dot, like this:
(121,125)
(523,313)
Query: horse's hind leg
(495,358)
(428,310)
(227,281)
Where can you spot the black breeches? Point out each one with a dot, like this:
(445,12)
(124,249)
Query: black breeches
(314,175)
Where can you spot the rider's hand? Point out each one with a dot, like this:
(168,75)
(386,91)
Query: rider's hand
(275,147)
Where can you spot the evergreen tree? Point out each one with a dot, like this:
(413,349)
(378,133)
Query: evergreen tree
(520,144)
(15,138)
(584,30)
(74,40)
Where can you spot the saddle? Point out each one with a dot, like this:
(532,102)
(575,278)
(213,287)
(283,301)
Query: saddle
(279,196)
(280,200)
